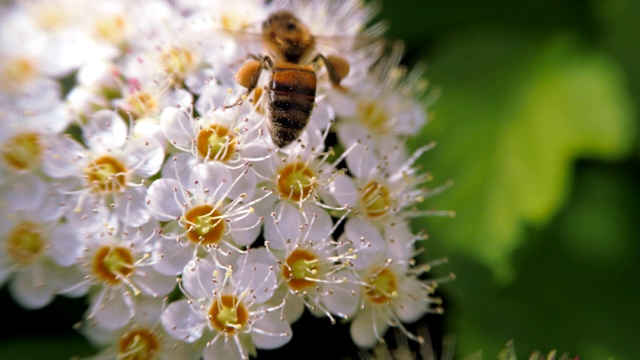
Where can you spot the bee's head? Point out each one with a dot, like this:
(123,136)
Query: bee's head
(287,36)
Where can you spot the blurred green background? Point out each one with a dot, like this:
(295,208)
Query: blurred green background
(536,124)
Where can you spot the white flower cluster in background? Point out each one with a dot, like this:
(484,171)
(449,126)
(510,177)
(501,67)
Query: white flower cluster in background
(136,171)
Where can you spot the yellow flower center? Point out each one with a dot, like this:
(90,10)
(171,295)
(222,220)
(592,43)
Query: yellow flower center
(375,200)
(178,62)
(300,269)
(111,28)
(228,314)
(295,181)
(205,225)
(373,116)
(139,344)
(25,242)
(142,103)
(23,151)
(215,143)
(17,71)
(382,286)
(112,263)
(106,174)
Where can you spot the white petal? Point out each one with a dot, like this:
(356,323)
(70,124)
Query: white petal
(25,192)
(260,279)
(178,97)
(144,156)
(198,277)
(283,227)
(223,348)
(176,126)
(105,131)
(367,242)
(270,332)
(30,289)
(131,207)
(72,282)
(53,206)
(343,191)
(261,255)
(351,132)
(368,327)
(245,230)
(344,298)
(399,240)
(180,321)
(294,308)
(148,128)
(362,162)
(153,283)
(57,119)
(174,257)
(343,103)
(164,199)
(320,222)
(63,158)
(263,167)
(114,310)
(245,183)
(413,301)
(65,245)
(213,177)
(148,310)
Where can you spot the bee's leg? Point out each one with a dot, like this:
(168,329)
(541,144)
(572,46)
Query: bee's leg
(248,76)
(337,67)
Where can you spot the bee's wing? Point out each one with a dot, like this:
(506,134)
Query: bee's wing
(370,40)
(249,43)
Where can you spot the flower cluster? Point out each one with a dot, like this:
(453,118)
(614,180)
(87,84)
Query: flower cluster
(136,171)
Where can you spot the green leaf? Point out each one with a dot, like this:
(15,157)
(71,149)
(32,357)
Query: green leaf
(514,115)
(618,34)
(575,290)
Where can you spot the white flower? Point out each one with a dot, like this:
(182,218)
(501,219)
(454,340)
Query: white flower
(392,292)
(218,137)
(36,253)
(143,337)
(97,84)
(382,109)
(118,263)
(108,173)
(224,308)
(27,127)
(147,88)
(203,214)
(383,189)
(315,276)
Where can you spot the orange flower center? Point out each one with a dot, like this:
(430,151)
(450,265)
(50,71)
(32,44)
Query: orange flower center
(23,151)
(25,242)
(300,269)
(204,224)
(375,200)
(382,286)
(139,344)
(215,143)
(295,181)
(106,174)
(228,314)
(112,263)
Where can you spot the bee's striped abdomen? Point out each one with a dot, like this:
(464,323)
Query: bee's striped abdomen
(292,94)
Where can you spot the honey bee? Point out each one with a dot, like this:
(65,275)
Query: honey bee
(291,89)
